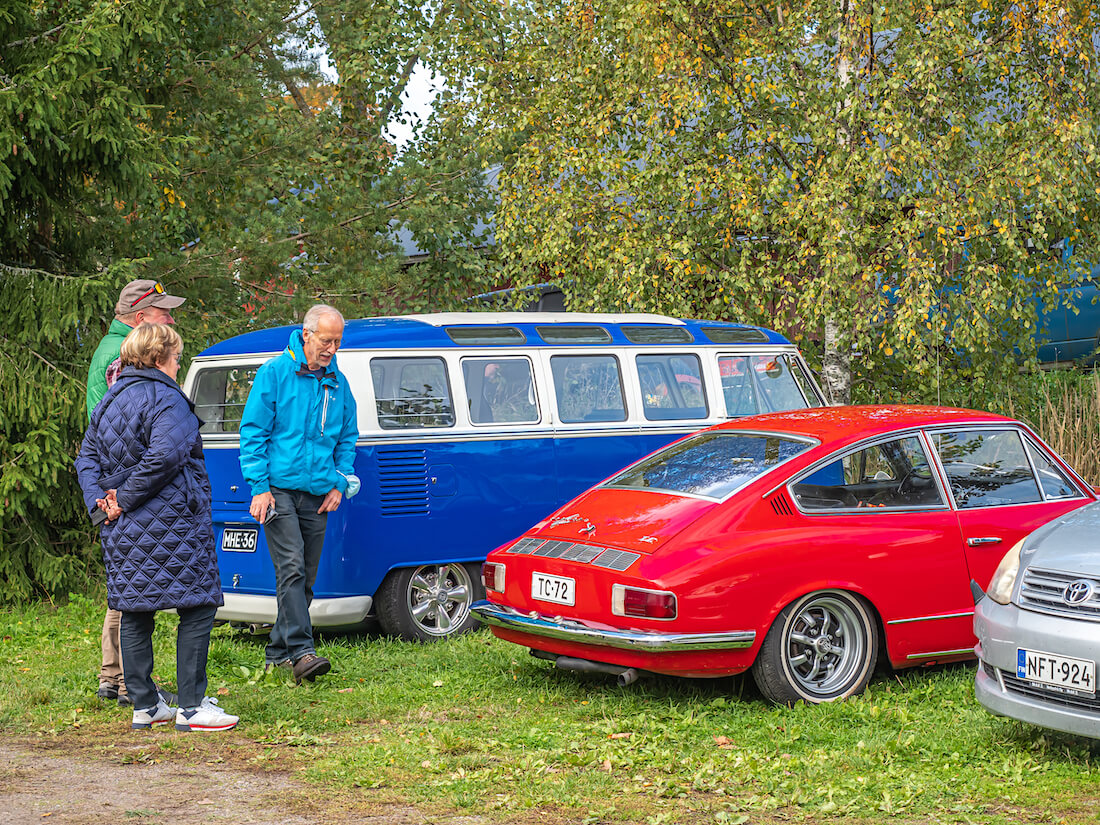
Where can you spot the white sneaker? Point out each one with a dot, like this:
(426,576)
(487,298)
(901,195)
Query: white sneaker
(207,716)
(152,717)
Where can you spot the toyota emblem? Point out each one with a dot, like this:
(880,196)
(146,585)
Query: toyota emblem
(1077,592)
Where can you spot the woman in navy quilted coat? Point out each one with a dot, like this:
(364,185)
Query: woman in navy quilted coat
(141,463)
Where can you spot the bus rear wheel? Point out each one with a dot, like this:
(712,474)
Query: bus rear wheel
(430,602)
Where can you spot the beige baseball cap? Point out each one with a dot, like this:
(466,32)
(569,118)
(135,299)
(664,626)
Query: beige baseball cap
(138,295)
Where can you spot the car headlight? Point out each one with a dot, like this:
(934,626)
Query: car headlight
(1000,586)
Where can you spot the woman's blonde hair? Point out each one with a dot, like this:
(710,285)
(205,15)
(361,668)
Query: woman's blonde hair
(149,345)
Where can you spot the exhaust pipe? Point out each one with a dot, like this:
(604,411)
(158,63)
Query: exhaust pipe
(627,677)
(623,675)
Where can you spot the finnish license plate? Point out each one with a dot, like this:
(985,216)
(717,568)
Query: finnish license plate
(558,589)
(1077,675)
(239,541)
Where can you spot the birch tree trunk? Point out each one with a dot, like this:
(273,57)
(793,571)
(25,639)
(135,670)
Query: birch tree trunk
(837,364)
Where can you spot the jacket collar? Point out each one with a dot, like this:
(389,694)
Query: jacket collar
(295,348)
(119,328)
(132,374)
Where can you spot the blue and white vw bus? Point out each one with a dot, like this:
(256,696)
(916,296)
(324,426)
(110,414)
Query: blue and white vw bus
(472,427)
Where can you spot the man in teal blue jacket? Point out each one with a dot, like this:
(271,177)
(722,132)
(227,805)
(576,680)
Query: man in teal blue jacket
(298,436)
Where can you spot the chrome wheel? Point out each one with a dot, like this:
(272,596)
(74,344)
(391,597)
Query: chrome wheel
(439,597)
(429,602)
(822,647)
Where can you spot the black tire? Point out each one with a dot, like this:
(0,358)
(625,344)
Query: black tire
(430,602)
(821,647)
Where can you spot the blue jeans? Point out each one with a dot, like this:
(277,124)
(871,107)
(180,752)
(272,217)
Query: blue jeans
(192,647)
(294,538)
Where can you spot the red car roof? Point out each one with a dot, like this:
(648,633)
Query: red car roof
(832,424)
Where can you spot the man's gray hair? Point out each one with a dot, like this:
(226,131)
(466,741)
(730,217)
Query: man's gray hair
(318,311)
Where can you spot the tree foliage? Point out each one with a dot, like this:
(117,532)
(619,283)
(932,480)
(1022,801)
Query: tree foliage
(899,171)
(196,142)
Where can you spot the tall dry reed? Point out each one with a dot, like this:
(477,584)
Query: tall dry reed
(1065,410)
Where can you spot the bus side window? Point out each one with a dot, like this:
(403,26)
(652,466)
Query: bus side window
(220,395)
(777,384)
(500,390)
(737,386)
(672,387)
(588,388)
(412,393)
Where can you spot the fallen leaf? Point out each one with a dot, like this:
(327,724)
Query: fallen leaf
(205,801)
(345,690)
(425,764)
(437,683)
(620,736)
(723,741)
(223,691)
(606,765)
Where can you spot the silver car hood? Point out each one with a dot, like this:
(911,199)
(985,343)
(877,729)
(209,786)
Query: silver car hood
(1070,543)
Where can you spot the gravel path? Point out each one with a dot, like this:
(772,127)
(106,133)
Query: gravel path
(49,786)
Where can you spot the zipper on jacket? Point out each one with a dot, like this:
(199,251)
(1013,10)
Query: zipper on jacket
(324,409)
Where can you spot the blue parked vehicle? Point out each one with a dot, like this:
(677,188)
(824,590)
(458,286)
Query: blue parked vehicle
(1071,332)
(472,427)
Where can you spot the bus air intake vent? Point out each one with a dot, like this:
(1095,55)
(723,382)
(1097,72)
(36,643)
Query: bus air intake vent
(402,482)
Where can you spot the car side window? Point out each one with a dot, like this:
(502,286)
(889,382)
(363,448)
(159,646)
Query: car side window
(411,393)
(500,390)
(588,388)
(891,475)
(986,468)
(220,395)
(1054,482)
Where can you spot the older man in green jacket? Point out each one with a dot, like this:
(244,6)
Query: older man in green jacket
(140,302)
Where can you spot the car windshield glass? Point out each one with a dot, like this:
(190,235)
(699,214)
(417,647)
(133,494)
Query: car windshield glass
(711,464)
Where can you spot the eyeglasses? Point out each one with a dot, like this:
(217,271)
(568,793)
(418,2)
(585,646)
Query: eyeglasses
(325,342)
(179,357)
(157,288)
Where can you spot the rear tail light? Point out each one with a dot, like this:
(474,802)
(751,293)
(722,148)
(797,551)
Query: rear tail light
(492,576)
(641,603)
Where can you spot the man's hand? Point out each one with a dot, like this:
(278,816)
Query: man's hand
(259,506)
(331,502)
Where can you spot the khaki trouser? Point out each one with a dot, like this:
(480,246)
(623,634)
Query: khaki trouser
(110,671)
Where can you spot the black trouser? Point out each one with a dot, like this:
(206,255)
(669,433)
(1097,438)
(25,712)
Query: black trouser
(192,647)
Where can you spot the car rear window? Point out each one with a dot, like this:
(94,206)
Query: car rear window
(713,464)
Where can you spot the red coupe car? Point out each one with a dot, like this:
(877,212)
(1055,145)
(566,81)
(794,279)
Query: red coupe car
(801,545)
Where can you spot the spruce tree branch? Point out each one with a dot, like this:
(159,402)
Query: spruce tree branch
(27,41)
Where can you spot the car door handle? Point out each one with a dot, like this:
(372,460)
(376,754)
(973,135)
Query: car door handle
(978,542)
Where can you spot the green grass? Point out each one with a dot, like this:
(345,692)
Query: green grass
(476,726)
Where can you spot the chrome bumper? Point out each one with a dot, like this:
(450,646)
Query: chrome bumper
(572,631)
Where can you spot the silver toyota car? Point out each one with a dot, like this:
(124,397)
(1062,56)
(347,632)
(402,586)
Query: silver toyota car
(1038,628)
